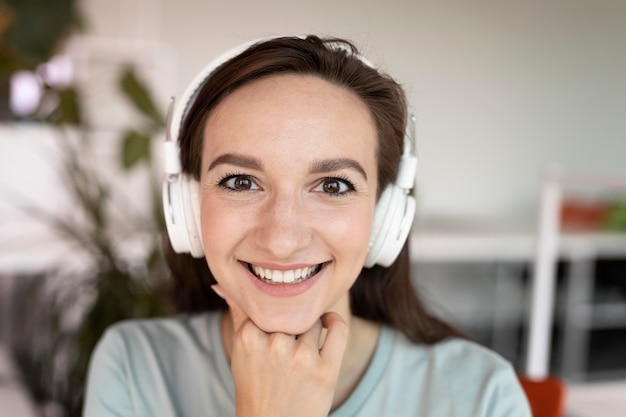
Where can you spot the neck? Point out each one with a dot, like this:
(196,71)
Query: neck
(362,342)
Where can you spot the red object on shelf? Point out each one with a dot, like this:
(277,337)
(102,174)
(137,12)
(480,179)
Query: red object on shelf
(546,396)
(581,215)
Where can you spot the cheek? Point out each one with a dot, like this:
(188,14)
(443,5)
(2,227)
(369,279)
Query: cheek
(207,220)
(216,225)
(350,232)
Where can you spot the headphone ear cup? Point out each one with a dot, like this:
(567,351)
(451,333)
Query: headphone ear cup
(181,207)
(393,218)
(192,217)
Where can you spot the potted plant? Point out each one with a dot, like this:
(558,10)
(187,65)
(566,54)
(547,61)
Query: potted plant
(64,313)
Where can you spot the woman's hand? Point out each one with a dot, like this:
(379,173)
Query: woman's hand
(278,374)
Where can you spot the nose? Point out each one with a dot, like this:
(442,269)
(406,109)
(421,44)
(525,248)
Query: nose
(283,226)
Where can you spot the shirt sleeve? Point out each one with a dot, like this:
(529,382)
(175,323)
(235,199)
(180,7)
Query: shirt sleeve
(507,397)
(106,393)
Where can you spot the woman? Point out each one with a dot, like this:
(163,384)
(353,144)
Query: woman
(289,150)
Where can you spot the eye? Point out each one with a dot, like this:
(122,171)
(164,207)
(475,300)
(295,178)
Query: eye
(334,186)
(237,182)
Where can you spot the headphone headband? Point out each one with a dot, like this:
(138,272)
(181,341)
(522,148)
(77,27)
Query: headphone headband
(194,87)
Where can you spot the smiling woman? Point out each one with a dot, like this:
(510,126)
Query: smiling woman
(307,137)
(288,225)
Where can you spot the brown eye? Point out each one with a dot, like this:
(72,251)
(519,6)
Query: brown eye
(239,183)
(331,186)
(335,186)
(242,183)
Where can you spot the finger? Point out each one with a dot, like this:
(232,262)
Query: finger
(312,336)
(336,337)
(238,315)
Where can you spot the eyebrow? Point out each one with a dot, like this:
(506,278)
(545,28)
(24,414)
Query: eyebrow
(324,165)
(328,165)
(237,160)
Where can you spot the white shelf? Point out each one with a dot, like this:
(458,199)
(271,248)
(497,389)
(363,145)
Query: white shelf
(509,245)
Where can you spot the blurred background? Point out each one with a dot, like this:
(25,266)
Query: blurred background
(521,135)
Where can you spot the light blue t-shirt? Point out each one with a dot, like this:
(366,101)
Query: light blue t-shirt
(178,367)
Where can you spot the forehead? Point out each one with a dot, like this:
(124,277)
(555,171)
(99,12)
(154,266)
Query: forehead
(289,111)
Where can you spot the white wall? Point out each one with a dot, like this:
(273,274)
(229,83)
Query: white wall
(500,88)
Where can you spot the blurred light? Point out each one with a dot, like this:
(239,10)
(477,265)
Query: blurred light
(57,72)
(25,94)
(27,88)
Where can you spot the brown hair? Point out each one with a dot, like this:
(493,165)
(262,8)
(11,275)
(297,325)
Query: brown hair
(384,295)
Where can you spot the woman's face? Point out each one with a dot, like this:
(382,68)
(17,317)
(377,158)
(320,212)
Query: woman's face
(288,190)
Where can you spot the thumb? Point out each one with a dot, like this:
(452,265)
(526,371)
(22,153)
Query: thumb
(336,337)
(237,314)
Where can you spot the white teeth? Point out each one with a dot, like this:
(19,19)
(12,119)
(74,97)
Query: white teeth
(290,276)
(277,276)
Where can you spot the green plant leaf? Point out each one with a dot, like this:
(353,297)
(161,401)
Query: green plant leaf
(140,96)
(616,217)
(135,147)
(39,27)
(67,111)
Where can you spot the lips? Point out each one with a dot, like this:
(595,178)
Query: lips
(291,276)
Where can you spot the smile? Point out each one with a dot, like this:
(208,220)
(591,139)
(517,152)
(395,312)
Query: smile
(291,276)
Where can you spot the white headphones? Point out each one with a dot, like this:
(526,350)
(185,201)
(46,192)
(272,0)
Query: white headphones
(394,211)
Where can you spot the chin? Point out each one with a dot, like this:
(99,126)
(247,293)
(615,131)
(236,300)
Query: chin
(292,327)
